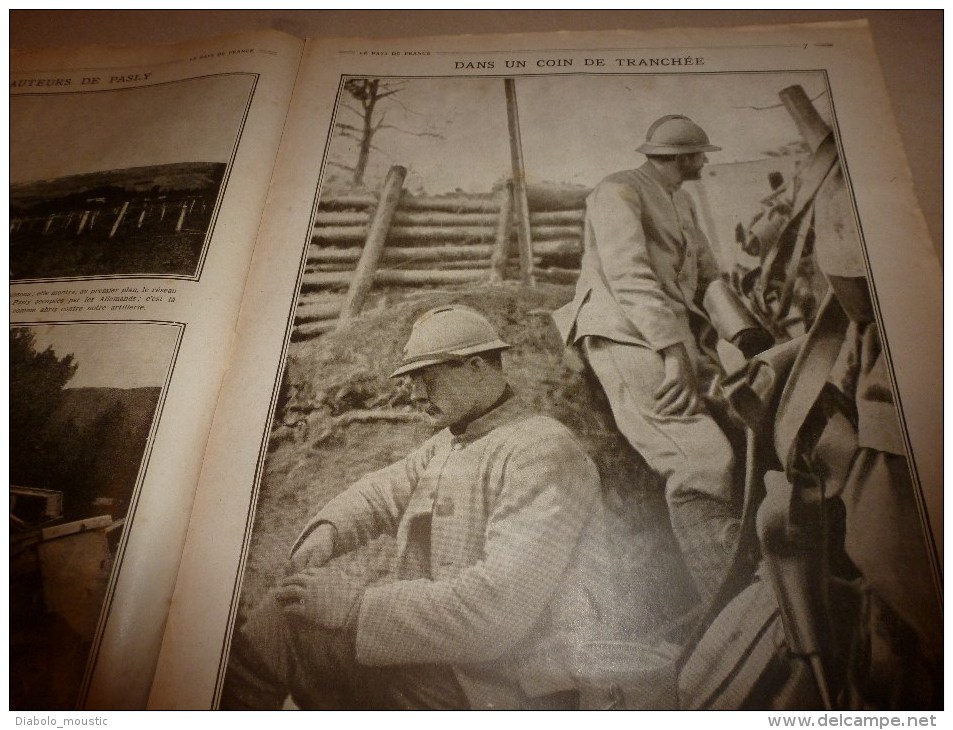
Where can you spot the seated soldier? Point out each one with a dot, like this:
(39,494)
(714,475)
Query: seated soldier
(496,517)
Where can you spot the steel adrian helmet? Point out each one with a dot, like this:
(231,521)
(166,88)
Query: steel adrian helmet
(675,135)
(446,333)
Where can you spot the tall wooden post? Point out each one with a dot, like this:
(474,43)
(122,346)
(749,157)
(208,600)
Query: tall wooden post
(504,238)
(521,203)
(122,214)
(809,123)
(374,245)
(178,224)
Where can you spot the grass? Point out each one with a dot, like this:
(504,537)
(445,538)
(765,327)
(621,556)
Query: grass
(130,252)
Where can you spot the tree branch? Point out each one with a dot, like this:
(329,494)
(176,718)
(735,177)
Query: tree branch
(435,135)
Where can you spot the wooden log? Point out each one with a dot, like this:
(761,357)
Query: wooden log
(556,275)
(305,318)
(548,233)
(333,266)
(474,252)
(429,276)
(446,218)
(348,234)
(342,218)
(374,246)
(348,201)
(546,196)
(454,210)
(395,277)
(520,201)
(450,265)
(503,244)
(312,329)
(407,233)
(310,311)
(404,235)
(557,217)
(559,247)
(422,218)
(422,254)
(455,203)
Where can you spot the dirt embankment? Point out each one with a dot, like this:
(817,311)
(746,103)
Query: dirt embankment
(340,417)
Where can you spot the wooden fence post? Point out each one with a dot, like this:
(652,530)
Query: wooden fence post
(524,234)
(178,225)
(122,214)
(374,245)
(504,238)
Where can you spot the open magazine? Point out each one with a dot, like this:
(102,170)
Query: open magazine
(221,251)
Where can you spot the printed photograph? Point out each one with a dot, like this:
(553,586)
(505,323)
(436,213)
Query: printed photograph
(586,406)
(84,400)
(121,182)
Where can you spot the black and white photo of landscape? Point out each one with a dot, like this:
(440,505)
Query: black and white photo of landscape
(84,402)
(122,182)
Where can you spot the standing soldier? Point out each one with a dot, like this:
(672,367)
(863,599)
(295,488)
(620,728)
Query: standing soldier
(637,319)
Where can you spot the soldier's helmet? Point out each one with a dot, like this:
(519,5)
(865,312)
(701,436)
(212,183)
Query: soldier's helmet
(675,134)
(447,333)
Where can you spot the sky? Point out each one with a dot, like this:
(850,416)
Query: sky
(575,128)
(60,134)
(127,355)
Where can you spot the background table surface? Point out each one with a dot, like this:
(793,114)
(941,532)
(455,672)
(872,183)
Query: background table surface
(909,44)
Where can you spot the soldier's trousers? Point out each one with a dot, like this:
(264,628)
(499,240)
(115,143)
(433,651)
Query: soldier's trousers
(273,659)
(691,453)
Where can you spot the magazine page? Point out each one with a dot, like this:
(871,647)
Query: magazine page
(137,180)
(577,371)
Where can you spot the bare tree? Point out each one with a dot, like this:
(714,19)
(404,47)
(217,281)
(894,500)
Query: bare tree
(367,95)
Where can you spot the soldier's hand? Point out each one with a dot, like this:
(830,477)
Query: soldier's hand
(315,550)
(677,395)
(322,596)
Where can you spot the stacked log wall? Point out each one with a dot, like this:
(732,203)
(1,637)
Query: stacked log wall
(434,242)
